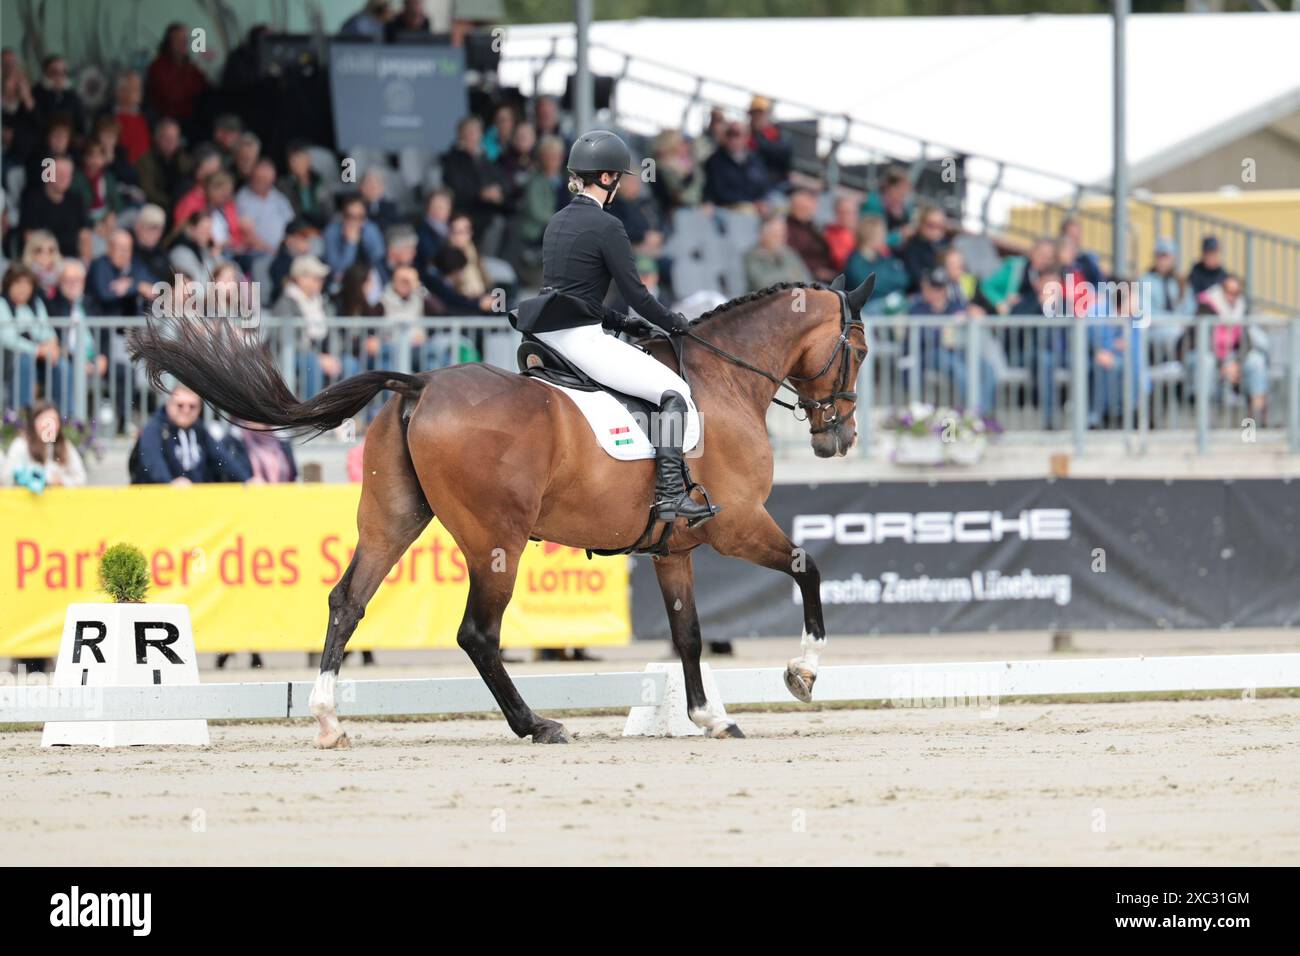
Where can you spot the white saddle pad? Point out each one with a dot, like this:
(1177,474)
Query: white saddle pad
(617,430)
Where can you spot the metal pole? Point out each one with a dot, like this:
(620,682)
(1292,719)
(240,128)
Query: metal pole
(914,353)
(866,396)
(1204,367)
(1128,359)
(582,86)
(1119,199)
(1138,345)
(400,337)
(1078,382)
(79,335)
(1293,387)
(1248,267)
(1119,208)
(288,360)
(972,396)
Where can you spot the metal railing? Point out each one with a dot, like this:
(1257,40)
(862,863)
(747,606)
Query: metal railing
(105,390)
(1170,378)
(1167,378)
(841,149)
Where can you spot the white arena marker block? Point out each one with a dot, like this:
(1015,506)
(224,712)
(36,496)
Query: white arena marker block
(124,645)
(669,718)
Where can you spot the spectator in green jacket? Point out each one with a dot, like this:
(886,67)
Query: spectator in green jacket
(1000,288)
(892,202)
(304,187)
(166,168)
(542,193)
(679,180)
(772,260)
(872,255)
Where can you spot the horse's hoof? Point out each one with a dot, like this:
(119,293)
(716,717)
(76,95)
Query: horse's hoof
(332,740)
(727,730)
(550,733)
(799,680)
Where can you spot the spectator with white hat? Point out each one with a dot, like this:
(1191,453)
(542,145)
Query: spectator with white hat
(304,299)
(150,256)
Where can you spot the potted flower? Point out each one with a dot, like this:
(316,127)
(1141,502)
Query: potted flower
(925,435)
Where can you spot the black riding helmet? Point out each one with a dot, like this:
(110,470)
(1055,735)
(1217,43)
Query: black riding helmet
(600,151)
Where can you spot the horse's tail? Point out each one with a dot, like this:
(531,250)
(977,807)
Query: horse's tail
(237,375)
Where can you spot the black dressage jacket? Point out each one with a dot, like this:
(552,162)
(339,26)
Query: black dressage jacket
(583,250)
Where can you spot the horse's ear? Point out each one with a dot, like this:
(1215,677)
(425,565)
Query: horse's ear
(837,284)
(859,296)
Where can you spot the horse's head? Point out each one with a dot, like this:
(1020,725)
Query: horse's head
(827,374)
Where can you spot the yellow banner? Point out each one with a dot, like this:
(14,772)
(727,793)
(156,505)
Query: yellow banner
(256,564)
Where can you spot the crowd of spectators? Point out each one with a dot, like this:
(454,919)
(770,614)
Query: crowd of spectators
(112,205)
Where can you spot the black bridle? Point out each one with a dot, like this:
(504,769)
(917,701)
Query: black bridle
(830,413)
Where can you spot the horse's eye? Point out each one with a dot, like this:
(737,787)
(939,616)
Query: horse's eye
(860,353)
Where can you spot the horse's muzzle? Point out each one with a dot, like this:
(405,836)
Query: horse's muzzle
(836,441)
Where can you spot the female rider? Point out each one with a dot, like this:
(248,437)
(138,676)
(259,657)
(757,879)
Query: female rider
(583,249)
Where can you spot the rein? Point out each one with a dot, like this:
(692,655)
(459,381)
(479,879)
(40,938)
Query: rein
(809,405)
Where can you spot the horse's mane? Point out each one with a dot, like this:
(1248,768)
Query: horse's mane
(749,298)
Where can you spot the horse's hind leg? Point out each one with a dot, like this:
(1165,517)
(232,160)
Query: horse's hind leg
(677,582)
(374,558)
(492,556)
(491,584)
(759,539)
(390,517)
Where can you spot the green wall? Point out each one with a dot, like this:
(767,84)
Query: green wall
(109,34)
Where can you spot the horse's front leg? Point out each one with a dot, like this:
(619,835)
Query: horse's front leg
(676,576)
(759,539)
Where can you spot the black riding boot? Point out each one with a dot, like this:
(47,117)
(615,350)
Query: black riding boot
(672,500)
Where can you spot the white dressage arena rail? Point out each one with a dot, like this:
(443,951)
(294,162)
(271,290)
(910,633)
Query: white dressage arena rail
(37,703)
(907,684)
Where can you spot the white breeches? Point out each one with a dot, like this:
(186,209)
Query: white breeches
(617,364)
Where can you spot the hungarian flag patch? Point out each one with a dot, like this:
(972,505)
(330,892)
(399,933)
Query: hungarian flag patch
(622,435)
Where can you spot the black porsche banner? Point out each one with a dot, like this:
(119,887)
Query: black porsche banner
(951,556)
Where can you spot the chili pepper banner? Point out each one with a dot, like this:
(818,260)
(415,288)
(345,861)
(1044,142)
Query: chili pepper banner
(256,565)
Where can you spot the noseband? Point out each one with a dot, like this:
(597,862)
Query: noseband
(830,414)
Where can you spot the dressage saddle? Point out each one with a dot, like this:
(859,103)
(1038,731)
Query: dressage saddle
(536,359)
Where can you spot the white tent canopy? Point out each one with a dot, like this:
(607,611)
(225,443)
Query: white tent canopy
(1034,90)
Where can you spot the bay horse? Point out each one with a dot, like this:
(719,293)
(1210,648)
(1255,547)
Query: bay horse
(501,458)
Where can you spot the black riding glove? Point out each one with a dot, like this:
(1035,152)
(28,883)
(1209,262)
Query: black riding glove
(631,325)
(678,324)
(637,327)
